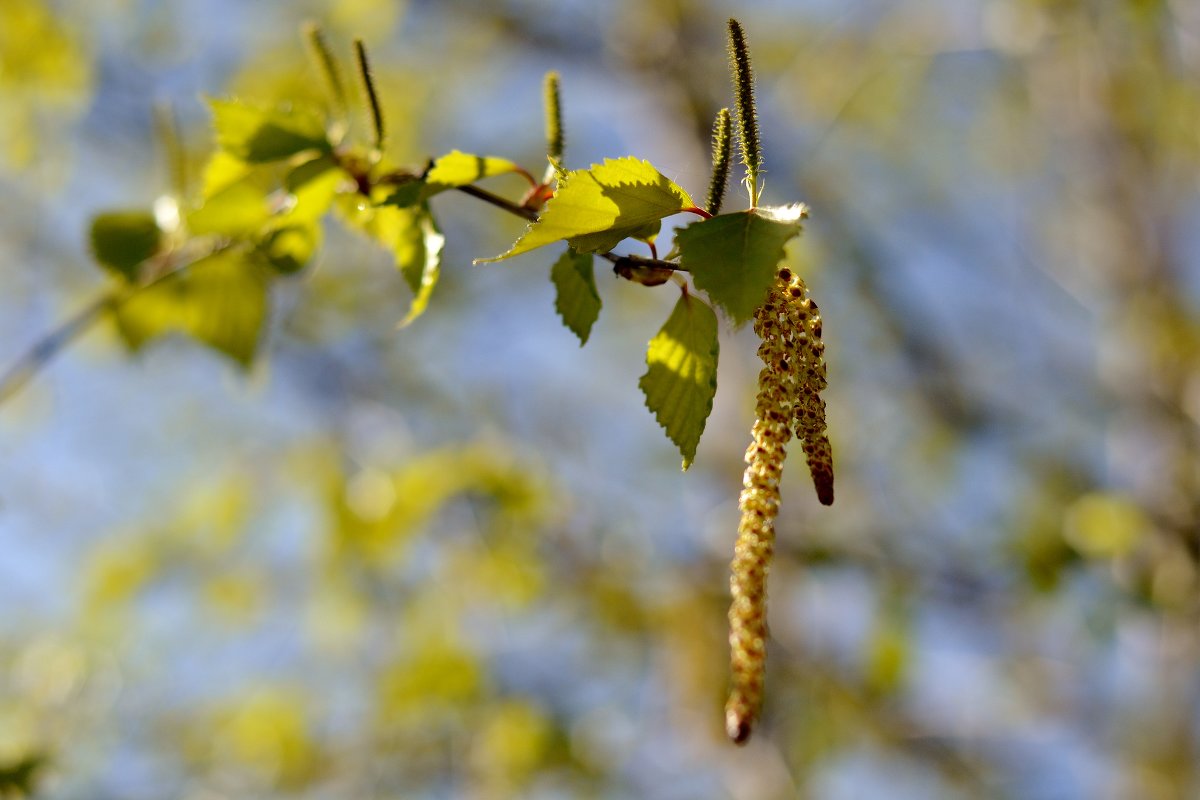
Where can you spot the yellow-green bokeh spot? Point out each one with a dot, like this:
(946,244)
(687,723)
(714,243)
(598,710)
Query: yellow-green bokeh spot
(1102,525)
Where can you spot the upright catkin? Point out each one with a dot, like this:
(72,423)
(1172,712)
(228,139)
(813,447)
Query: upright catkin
(793,374)
(552,100)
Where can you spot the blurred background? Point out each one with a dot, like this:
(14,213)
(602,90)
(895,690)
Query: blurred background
(460,560)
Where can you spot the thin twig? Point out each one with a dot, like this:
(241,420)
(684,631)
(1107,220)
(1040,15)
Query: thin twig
(46,348)
(50,345)
(642,261)
(498,201)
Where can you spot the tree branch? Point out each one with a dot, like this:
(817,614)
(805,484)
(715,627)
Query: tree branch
(46,348)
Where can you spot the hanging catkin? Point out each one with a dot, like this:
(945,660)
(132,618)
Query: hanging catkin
(793,374)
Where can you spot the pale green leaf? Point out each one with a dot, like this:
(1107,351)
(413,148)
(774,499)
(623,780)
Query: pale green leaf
(312,187)
(423,258)
(241,208)
(458,169)
(220,300)
(448,172)
(413,239)
(222,170)
(122,240)
(734,257)
(593,209)
(576,299)
(682,377)
(255,134)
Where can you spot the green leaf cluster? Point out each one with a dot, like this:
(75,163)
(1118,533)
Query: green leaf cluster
(594,209)
(206,269)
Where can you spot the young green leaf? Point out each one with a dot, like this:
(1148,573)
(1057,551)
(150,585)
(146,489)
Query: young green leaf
(733,257)
(257,135)
(682,376)
(220,300)
(458,169)
(423,258)
(239,209)
(595,208)
(448,172)
(122,240)
(313,186)
(221,171)
(413,239)
(576,299)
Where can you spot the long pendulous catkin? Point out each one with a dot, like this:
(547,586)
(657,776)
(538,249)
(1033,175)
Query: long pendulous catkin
(793,374)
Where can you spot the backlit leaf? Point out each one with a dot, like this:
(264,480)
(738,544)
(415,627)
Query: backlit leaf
(682,376)
(733,257)
(312,187)
(222,170)
(458,169)
(255,134)
(595,208)
(413,239)
(241,208)
(122,240)
(220,300)
(576,299)
(421,258)
(451,170)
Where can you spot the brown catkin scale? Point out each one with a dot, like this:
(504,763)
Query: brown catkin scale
(794,373)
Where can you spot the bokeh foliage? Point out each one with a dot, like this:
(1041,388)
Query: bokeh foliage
(366,569)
